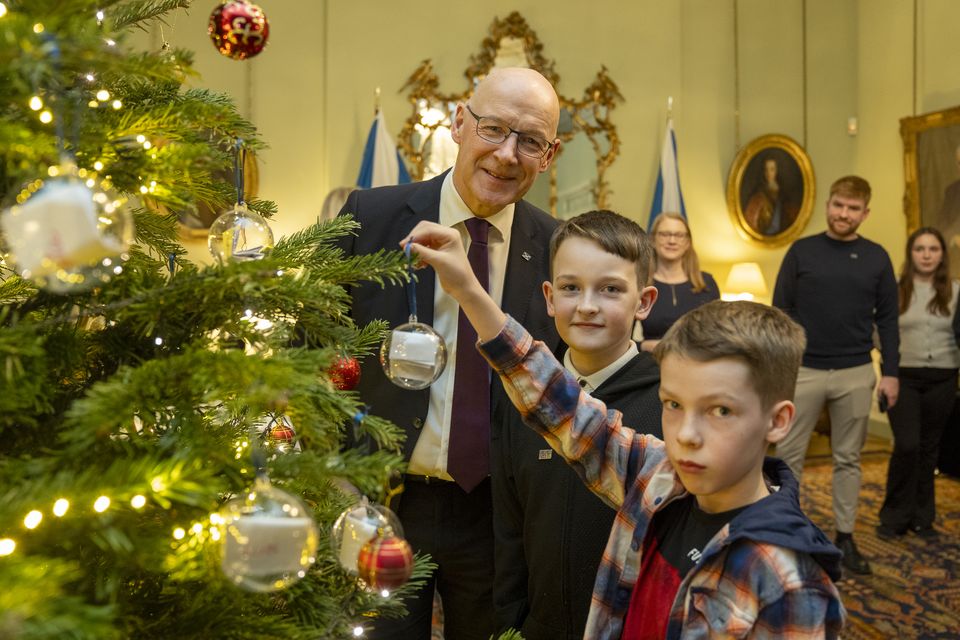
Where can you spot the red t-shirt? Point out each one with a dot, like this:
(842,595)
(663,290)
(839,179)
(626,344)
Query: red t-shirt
(675,539)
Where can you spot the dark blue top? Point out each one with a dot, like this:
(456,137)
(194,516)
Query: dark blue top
(838,290)
(674,300)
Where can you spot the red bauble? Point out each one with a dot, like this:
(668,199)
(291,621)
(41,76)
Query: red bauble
(281,433)
(345,373)
(238,29)
(385,562)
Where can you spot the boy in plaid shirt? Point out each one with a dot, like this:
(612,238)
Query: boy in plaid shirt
(709,538)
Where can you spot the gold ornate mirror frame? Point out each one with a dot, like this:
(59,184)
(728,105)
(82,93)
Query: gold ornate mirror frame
(432,110)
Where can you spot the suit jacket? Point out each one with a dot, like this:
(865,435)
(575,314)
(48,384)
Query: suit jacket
(386,215)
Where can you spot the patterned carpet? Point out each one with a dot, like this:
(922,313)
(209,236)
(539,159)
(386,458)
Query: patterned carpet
(914,591)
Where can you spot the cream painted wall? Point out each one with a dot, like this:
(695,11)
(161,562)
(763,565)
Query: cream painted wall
(311,91)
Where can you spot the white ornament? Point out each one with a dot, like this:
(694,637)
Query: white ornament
(67,236)
(413,356)
(269,539)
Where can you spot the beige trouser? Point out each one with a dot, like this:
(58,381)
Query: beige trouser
(848,395)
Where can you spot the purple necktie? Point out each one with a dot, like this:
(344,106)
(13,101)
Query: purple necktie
(468,453)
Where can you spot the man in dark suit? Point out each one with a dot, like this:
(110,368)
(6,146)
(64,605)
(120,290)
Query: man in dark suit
(506,134)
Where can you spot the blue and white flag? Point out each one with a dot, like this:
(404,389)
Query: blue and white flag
(382,165)
(667,196)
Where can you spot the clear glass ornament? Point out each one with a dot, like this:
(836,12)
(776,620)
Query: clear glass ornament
(413,355)
(239,234)
(358,525)
(269,539)
(68,235)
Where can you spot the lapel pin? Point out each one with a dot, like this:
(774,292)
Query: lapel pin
(526,256)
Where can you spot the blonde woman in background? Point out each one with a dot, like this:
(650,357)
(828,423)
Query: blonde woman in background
(681,285)
(334,202)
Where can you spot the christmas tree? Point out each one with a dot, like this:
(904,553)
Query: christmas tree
(131,389)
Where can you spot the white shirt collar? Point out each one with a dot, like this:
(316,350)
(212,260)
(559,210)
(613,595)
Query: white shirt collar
(454,210)
(594,380)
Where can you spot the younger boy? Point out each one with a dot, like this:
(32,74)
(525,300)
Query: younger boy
(549,529)
(709,539)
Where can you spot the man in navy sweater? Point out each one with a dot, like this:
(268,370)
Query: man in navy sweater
(838,285)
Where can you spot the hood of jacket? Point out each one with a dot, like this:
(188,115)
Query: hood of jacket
(778,519)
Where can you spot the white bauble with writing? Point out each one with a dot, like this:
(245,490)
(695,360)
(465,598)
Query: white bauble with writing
(269,539)
(358,525)
(413,355)
(68,235)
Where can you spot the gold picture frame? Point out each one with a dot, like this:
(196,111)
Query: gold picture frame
(512,42)
(931,171)
(770,190)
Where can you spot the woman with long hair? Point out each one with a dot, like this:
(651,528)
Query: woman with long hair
(929,359)
(681,285)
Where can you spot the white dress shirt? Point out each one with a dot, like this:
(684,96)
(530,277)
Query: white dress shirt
(597,378)
(430,453)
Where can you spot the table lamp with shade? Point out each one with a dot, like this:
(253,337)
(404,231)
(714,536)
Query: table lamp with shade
(744,282)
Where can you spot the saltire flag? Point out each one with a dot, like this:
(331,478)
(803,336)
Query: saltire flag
(381,164)
(667,196)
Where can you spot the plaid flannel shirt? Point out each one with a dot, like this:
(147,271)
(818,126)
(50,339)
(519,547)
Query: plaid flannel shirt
(740,587)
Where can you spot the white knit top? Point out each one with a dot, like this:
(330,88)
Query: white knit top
(926,339)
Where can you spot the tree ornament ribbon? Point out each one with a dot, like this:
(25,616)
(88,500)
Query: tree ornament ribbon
(239,162)
(411,285)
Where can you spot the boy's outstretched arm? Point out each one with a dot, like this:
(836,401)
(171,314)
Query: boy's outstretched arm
(440,247)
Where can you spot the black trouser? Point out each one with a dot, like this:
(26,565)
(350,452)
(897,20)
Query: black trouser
(456,529)
(918,419)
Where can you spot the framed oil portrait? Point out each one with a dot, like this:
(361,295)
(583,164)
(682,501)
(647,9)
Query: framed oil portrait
(770,190)
(931,170)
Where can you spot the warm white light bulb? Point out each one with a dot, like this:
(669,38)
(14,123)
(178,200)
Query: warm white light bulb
(103,95)
(46,117)
(60,507)
(36,103)
(98,165)
(357,631)
(3,9)
(138,501)
(179,533)
(116,104)
(101,504)
(32,520)
(7,546)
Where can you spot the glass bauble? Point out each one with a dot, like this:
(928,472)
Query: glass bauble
(238,235)
(68,235)
(356,526)
(269,539)
(413,355)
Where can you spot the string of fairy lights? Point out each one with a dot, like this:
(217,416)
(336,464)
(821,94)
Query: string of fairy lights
(206,528)
(99,97)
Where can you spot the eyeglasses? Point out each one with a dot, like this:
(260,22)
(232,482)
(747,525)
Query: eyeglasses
(672,235)
(492,130)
